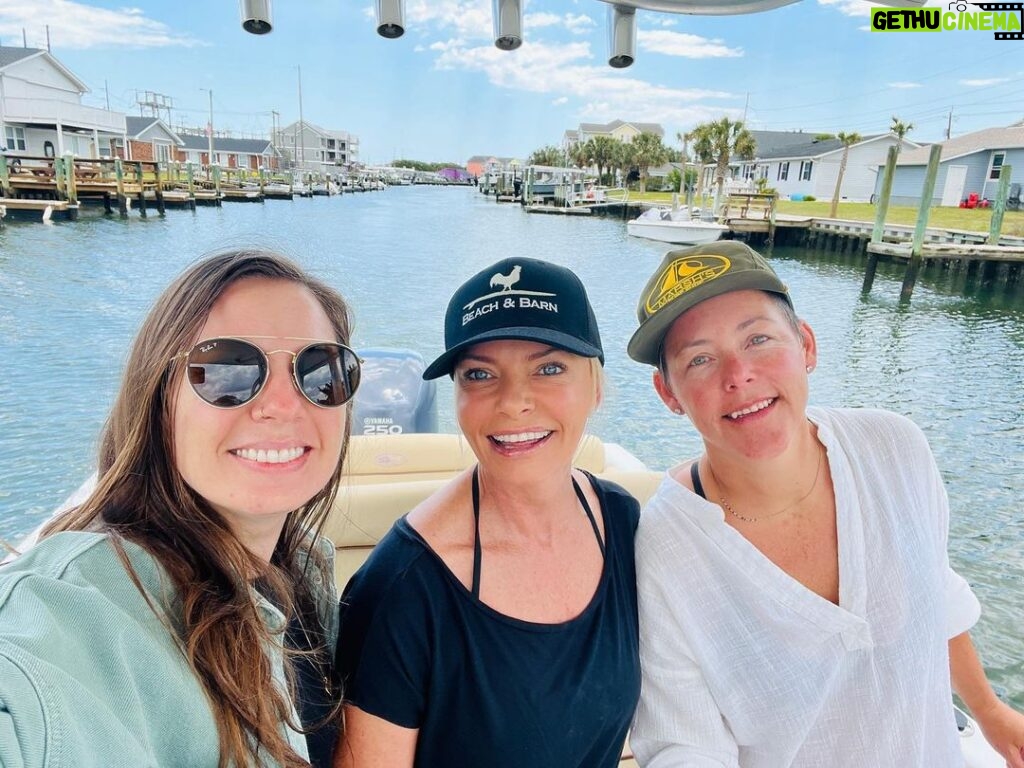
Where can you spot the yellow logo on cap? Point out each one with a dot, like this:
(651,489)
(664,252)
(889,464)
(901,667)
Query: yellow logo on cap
(684,275)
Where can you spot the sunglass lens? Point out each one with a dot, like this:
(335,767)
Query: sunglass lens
(328,374)
(226,372)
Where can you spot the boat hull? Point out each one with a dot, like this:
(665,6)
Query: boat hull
(677,232)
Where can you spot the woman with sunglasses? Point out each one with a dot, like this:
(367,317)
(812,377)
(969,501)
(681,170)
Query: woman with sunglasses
(496,624)
(180,614)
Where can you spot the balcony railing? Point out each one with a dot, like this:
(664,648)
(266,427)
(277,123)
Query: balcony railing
(23,110)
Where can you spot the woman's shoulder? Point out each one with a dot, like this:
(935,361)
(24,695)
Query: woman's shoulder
(88,562)
(618,502)
(868,424)
(398,560)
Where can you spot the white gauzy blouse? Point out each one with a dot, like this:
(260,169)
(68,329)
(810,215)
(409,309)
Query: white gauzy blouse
(744,666)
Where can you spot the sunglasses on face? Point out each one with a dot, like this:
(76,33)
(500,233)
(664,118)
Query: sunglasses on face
(228,372)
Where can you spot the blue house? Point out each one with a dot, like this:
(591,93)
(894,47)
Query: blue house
(971,163)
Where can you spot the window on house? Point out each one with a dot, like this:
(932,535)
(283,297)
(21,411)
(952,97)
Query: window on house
(15,137)
(783,171)
(162,152)
(805,169)
(997,165)
(762,171)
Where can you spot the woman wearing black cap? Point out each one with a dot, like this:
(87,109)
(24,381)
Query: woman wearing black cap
(796,600)
(496,625)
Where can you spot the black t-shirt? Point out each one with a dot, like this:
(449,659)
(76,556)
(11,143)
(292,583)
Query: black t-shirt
(485,689)
(314,694)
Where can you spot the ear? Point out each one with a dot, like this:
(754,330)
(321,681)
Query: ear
(810,345)
(661,386)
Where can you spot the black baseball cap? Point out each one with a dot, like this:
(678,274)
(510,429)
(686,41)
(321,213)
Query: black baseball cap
(687,277)
(519,298)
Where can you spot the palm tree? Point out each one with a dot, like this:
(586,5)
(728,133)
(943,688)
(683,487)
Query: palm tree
(602,153)
(848,139)
(718,142)
(623,159)
(648,151)
(579,154)
(684,139)
(549,155)
(899,129)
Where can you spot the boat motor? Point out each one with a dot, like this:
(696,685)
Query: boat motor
(256,16)
(391,18)
(393,398)
(621,36)
(508,24)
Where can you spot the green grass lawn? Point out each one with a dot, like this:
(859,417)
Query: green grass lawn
(972,220)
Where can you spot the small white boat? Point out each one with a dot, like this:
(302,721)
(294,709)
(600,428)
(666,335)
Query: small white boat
(674,226)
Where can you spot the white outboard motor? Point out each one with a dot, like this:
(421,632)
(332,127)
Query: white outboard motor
(393,398)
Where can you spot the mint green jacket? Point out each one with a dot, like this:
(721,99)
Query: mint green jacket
(90,676)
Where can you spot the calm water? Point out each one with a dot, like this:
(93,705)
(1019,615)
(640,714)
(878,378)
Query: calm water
(71,296)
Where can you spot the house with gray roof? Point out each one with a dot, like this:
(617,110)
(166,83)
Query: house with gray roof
(798,163)
(150,138)
(313,148)
(972,163)
(228,152)
(41,110)
(618,129)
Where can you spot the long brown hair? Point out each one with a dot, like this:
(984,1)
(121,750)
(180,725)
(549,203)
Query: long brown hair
(141,497)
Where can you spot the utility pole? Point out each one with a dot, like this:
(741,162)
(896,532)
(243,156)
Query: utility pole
(746,104)
(949,123)
(302,125)
(209,130)
(106,90)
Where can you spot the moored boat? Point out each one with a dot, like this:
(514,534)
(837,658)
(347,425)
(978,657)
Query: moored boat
(677,227)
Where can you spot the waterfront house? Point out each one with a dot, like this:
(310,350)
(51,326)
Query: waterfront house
(971,163)
(620,130)
(797,164)
(149,138)
(252,154)
(478,165)
(41,110)
(313,148)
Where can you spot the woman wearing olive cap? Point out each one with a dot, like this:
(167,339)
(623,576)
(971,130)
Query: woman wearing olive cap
(495,625)
(797,605)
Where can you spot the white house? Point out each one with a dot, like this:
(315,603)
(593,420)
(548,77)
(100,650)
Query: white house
(41,110)
(972,163)
(317,149)
(795,164)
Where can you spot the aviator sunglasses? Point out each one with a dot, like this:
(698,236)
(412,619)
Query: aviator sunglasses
(228,372)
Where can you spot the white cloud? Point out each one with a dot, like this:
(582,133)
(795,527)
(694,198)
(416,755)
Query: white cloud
(76,26)
(468,19)
(849,7)
(682,44)
(541,19)
(979,82)
(560,101)
(903,84)
(566,70)
(579,24)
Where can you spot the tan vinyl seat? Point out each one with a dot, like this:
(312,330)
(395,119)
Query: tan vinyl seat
(385,477)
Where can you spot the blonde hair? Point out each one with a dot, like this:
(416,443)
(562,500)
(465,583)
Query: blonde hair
(141,497)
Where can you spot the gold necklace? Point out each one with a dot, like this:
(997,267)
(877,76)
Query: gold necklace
(729,508)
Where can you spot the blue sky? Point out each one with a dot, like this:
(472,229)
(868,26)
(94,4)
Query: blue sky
(443,92)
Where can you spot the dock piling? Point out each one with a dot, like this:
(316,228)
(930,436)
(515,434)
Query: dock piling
(996,223)
(914,265)
(122,200)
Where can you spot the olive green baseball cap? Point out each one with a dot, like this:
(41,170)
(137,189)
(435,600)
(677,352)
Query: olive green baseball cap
(687,277)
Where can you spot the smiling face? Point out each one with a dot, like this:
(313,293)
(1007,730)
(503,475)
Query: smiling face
(523,405)
(738,368)
(256,463)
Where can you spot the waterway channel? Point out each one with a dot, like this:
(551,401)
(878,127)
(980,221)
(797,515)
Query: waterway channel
(73,293)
